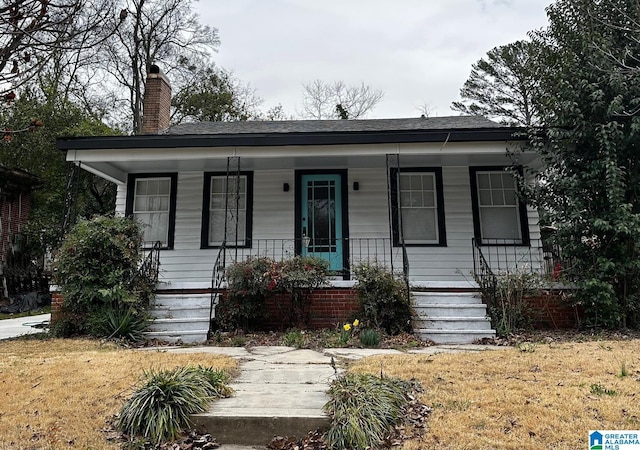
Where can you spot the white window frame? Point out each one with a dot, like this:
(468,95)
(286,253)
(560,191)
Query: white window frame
(495,197)
(136,213)
(244,210)
(401,203)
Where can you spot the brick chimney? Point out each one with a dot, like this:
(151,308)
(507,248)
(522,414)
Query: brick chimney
(157,102)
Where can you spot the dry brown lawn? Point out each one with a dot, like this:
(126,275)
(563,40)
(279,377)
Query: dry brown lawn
(58,394)
(538,396)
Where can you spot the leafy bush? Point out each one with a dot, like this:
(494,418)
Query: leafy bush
(248,286)
(370,338)
(384,299)
(160,409)
(97,268)
(362,408)
(252,281)
(509,309)
(298,276)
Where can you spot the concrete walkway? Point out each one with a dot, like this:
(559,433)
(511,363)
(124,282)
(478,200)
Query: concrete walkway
(10,328)
(281,390)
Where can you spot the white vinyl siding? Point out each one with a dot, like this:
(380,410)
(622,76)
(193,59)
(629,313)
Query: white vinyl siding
(151,207)
(274,218)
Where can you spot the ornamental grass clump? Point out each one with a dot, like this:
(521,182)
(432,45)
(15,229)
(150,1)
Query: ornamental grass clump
(362,408)
(160,409)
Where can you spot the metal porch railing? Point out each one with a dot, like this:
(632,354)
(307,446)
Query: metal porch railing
(357,250)
(507,256)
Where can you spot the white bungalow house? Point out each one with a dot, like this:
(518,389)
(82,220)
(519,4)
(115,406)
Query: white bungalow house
(414,194)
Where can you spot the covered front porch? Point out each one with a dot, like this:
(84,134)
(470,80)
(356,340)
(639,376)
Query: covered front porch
(411,199)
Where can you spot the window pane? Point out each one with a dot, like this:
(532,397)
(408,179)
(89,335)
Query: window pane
(416,182)
(500,223)
(164,187)
(234,200)
(508,180)
(483,181)
(155,226)
(151,206)
(405,199)
(140,204)
(510,197)
(485,197)
(416,199)
(217,185)
(405,182)
(419,225)
(428,182)
(418,207)
(497,197)
(429,198)
(496,180)
(141,187)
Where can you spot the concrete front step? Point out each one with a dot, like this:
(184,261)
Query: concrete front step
(454,336)
(168,301)
(186,337)
(447,298)
(180,312)
(180,324)
(432,310)
(450,317)
(180,317)
(453,323)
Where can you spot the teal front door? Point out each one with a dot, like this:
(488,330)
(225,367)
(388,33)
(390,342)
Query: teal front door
(321,218)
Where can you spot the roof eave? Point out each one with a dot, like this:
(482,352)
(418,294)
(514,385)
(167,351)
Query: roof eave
(285,139)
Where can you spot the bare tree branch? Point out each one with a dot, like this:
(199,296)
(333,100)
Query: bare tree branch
(321,100)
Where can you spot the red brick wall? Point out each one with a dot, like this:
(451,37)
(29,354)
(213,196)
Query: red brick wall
(328,308)
(56,306)
(333,307)
(554,311)
(14,213)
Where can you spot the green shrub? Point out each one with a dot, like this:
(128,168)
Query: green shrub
(160,409)
(384,299)
(369,338)
(362,408)
(248,286)
(298,276)
(252,281)
(97,268)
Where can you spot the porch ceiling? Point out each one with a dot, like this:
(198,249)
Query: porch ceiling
(115,164)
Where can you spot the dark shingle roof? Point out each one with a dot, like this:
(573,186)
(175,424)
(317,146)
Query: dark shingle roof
(333,126)
(306,132)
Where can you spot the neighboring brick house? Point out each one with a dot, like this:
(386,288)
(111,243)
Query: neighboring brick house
(16,187)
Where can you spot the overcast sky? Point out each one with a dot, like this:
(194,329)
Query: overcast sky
(416,51)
